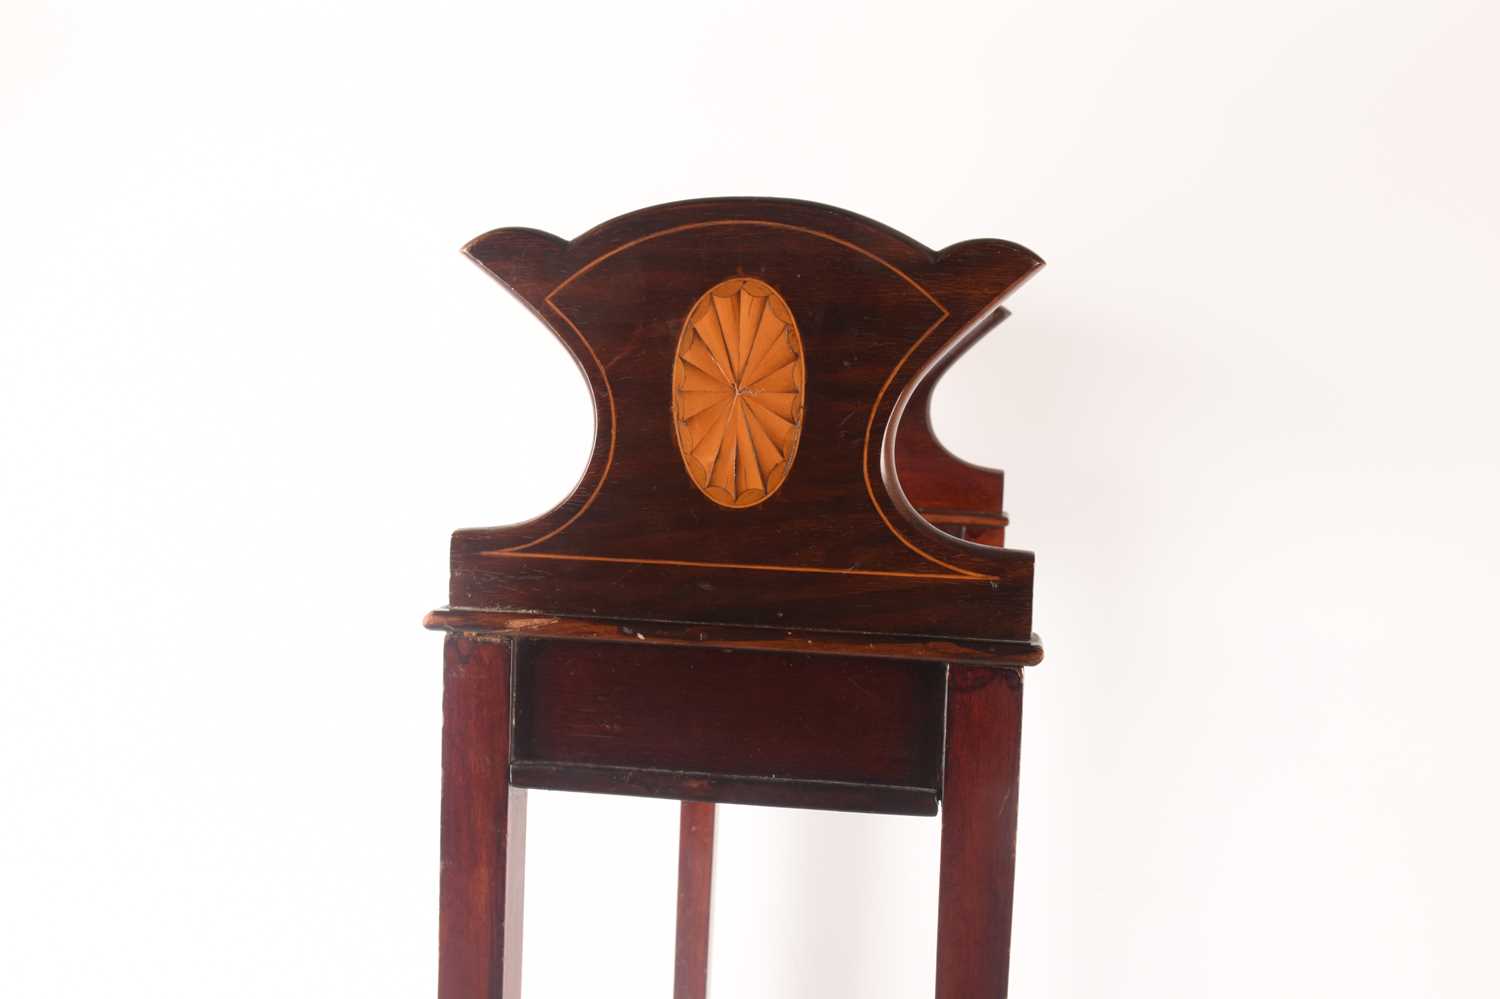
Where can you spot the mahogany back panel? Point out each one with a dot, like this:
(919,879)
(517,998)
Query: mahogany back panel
(864,315)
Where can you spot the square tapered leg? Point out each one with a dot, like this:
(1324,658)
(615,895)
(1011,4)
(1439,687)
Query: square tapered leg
(695,885)
(484,828)
(977,877)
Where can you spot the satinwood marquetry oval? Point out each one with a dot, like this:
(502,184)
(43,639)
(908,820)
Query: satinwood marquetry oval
(738,381)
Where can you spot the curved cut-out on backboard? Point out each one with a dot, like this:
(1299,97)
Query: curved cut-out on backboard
(738,384)
(877,314)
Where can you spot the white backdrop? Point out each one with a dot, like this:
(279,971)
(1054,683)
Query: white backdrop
(248,386)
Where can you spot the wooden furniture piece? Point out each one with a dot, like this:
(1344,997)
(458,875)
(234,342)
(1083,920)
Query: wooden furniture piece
(772,585)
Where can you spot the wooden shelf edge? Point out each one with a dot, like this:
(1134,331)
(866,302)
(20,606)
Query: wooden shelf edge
(968,652)
(725,789)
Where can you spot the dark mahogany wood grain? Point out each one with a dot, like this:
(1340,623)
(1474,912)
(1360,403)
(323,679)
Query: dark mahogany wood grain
(695,878)
(977,874)
(837,546)
(833,623)
(755,719)
(993,608)
(937,651)
(728,789)
(483,829)
(960,497)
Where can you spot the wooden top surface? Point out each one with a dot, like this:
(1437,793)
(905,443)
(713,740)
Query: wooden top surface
(842,643)
(749,362)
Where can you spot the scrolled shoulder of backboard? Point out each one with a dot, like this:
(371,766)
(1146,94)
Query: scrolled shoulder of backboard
(530,263)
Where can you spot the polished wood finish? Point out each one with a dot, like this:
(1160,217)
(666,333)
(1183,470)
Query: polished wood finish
(728,789)
(977,874)
(484,828)
(837,546)
(956,496)
(855,734)
(936,651)
(773,585)
(695,877)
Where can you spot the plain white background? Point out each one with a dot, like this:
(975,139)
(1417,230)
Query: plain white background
(248,385)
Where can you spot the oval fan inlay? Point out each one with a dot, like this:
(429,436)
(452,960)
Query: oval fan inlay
(737,391)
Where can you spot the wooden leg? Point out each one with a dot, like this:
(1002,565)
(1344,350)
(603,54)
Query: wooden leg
(484,828)
(977,877)
(695,881)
